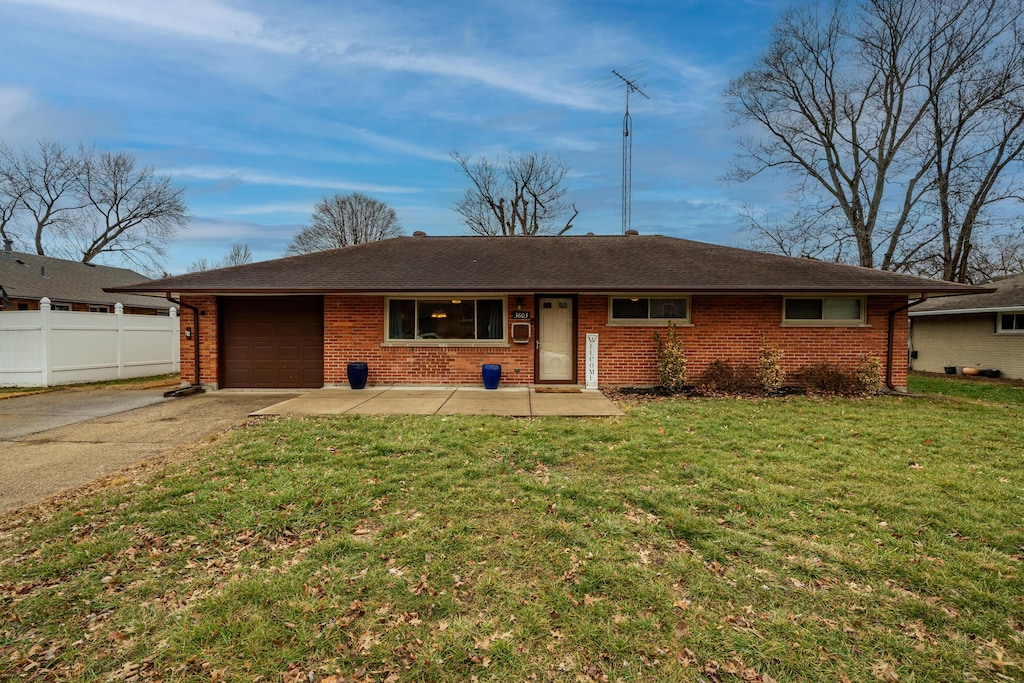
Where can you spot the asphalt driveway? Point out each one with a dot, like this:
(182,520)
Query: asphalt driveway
(53,441)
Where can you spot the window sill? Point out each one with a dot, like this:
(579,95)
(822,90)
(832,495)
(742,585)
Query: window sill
(824,323)
(441,343)
(648,323)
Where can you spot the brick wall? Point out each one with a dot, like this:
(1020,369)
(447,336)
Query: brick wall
(729,328)
(724,328)
(966,340)
(33,305)
(208,336)
(354,330)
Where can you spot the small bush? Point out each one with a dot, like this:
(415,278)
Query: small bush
(828,379)
(722,378)
(870,379)
(717,377)
(671,359)
(770,375)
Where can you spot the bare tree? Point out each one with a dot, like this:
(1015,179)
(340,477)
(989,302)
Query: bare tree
(129,210)
(344,220)
(43,186)
(525,196)
(239,255)
(897,120)
(80,204)
(802,234)
(200,264)
(10,198)
(1000,256)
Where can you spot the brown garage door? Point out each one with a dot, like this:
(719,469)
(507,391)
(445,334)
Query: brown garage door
(272,342)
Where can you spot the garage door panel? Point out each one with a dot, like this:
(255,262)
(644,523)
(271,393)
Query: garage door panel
(272,342)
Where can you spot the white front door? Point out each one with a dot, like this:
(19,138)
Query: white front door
(556,353)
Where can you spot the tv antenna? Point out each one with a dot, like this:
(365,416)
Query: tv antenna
(627,153)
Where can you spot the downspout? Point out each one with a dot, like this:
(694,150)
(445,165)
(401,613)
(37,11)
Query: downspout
(889,349)
(196,386)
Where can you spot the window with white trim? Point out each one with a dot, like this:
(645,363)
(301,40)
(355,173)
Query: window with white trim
(99,309)
(649,310)
(60,307)
(444,320)
(823,311)
(1011,323)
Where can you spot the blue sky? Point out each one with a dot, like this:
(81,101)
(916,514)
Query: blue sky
(262,108)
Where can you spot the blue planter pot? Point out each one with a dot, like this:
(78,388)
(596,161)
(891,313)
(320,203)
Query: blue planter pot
(357,374)
(492,375)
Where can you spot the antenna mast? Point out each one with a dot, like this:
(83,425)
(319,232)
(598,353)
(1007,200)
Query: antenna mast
(627,154)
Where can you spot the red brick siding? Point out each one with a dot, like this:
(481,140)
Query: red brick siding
(729,328)
(724,328)
(354,331)
(33,305)
(208,340)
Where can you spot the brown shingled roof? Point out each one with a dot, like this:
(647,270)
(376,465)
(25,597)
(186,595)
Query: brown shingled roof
(30,276)
(547,264)
(1008,294)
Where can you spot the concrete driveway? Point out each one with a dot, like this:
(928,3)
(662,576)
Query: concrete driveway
(57,440)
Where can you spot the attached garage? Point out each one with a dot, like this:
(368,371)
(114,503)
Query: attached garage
(271,342)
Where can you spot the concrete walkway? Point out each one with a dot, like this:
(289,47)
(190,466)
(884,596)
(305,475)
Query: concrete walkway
(510,401)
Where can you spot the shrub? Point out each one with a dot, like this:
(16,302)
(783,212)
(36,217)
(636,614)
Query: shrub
(671,359)
(717,377)
(770,374)
(829,379)
(721,377)
(869,374)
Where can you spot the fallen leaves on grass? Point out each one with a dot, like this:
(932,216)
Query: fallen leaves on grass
(991,656)
(737,668)
(884,671)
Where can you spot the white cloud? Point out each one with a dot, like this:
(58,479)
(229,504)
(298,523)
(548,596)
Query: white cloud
(25,119)
(15,101)
(397,145)
(532,81)
(259,178)
(304,208)
(200,19)
(377,41)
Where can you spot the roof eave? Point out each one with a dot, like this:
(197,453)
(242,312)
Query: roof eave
(553,287)
(967,311)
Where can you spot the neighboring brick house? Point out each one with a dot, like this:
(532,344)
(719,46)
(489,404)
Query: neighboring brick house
(984,331)
(70,285)
(432,310)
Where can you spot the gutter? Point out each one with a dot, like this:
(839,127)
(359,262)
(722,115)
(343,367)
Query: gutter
(889,343)
(195,387)
(967,311)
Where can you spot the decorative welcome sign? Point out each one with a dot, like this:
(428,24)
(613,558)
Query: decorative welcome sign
(591,361)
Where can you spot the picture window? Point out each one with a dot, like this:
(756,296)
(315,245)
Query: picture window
(451,319)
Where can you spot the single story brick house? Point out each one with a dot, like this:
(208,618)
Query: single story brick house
(984,331)
(69,285)
(549,310)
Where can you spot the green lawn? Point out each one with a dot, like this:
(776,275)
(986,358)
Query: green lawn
(976,388)
(690,540)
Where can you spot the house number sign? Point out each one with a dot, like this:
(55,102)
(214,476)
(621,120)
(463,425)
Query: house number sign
(520,315)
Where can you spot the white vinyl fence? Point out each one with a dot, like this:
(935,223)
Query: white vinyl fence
(46,347)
